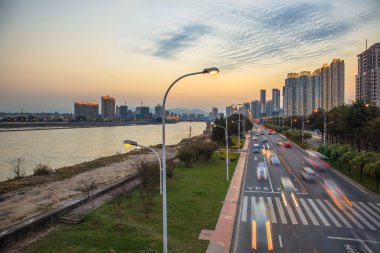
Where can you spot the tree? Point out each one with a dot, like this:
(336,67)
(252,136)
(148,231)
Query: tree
(360,161)
(150,176)
(186,154)
(88,187)
(374,169)
(17,167)
(346,160)
(117,197)
(374,133)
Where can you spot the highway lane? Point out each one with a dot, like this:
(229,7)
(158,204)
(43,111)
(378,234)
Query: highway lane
(317,225)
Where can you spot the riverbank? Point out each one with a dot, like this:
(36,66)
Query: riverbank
(38,194)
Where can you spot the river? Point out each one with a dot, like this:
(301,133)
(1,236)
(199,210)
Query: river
(63,147)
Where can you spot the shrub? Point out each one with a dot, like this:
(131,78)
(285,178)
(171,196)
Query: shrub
(42,169)
(186,155)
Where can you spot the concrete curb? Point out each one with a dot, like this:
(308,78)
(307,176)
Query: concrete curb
(221,237)
(22,230)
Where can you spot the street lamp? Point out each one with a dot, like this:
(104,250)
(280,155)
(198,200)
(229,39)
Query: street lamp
(324,124)
(227,157)
(212,71)
(129,143)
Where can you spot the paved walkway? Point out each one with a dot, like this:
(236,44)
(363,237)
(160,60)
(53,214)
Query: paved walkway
(221,237)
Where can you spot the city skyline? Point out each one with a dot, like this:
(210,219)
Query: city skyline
(53,53)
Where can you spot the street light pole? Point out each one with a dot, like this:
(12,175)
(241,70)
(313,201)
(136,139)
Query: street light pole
(212,71)
(227,157)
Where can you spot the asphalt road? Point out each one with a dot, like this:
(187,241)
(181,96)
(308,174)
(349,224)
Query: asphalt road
(317,224)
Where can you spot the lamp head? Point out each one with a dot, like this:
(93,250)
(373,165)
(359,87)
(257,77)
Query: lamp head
(212,71)
(128,143)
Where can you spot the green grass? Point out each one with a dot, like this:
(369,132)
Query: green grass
(194,198)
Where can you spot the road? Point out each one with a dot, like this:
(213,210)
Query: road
(317,225)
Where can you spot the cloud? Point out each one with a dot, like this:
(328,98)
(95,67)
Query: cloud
(264,34)
(177,41)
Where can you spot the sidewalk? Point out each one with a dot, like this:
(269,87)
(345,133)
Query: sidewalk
(220,238)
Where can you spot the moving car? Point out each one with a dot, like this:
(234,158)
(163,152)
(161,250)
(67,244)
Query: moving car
(274,159)
(265,145)
(287,145)
(254,138)
(256,148)
(335,194)
(317,163)
(308,174)
(261,228)
(288,192)
(262,172)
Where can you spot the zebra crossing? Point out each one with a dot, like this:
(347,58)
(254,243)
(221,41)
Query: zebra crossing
(316,212)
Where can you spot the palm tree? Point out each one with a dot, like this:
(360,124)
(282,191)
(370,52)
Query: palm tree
(346,160)
(361,160)
(374,169)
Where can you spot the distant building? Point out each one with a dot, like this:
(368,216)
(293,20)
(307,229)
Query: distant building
(108,107)
(158,111)
(276,101)
(213,114)
(262,102)
(268,108)
(255,108)
(368,77)
(142,113)
(232,109)
(123,112)
(86,110)
(324,88)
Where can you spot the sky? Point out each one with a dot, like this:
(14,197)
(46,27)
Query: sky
(53,53)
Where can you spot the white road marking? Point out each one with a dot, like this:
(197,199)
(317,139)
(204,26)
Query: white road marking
(255,158)
(270,182)
(271,209)
(332,218)
(297,193)
(338,214)
(281,211)
(375,207)
(362,219)
(311,215)
(369,210)
(302,216)
(353,220)
(320,215)
(245,209)
(351,239)
(291,214)
(280,240)
(366,214)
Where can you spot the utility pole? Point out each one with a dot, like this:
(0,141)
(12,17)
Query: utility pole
(190,132)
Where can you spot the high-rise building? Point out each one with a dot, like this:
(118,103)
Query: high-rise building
(268,108)
(324,88)
(232,109)
(368,77)
(142,113)
(86,110)
(158,111)
(123,112)
(213,114)
(255,107)
(290,94)
(337,83)
(276,101)
(108,107)
(262,102)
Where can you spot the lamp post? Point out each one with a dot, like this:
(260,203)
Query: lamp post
(128,143)
(213,72)
(227,157)
(324,124)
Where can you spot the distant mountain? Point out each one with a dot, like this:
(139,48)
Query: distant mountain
(187,111)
